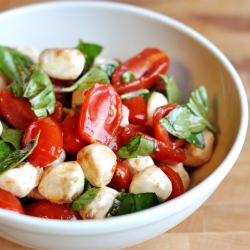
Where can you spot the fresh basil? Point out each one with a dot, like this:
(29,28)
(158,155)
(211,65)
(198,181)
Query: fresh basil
(40,92)
(135,93)
(128,76)
(5,149)
(12,136)
(137,145)
(18,156)
(109,68)
(95,75)
(85,199)
(126,203)
(197,139)
(91,51)
(172,90)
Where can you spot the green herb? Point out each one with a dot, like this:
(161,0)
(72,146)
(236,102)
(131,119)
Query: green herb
(18,156)
(172,90)
(5,149)
(12,136)
(137,145)
(109,68)
(91,51)
(95,75)
(135,93)
(85,199)
(40,92)
(128,76)
(197,139)
(126,203)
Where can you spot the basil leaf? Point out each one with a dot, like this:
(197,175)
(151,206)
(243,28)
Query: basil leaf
(40,92)
(85,199)
(18,156)
(172,90)
(108,68)
(126,203)
(12,136)
(135,93)
(197,139)
(91,51)
(128,76)
(137,145)
(5,149)
(95,75)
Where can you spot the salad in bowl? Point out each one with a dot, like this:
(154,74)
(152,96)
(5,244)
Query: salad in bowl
(86,137)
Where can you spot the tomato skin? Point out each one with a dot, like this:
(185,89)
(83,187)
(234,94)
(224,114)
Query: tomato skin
(72,142)
(160,131)
(10,202)
(58,113)
(100,115)
(177,184)
(48,210)
(146,66)
(117,141)
(16,111)
(50,142)
(137,109)
(121,178)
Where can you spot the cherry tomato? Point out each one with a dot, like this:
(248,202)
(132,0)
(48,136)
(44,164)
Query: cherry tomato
(48,210)
(117,141)
(121,178)
(100,114)
(16,111)
(10,202)
(146,67)
(177,184)
(137,109)
(58,113)
(160,131)
(72,142)
(50,142)
(62,83)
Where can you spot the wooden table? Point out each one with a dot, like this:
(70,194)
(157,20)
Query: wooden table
(223,222)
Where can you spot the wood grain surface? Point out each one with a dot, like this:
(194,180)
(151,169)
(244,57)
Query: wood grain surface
(223,222)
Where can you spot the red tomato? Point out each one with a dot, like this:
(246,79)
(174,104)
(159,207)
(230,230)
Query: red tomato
(72,142)
(117,141)
(177,184)
(137,109)
(121,178)
(16,111)
(58,113)
(48,210)
(50,143)
(100,114)
(10,202)
(146,66)
(160,131)
(62,83)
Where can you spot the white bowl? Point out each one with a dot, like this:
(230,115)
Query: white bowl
(124,30)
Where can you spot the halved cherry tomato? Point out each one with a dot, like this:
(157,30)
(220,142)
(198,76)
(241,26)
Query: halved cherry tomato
(10,202)
(72,142)
(16,111)
(100,114)
(48,210)
(117,141)
(137,109)
(177,184)
(58,113)
(50,143)
(146,66)
(160,131)
(121,178)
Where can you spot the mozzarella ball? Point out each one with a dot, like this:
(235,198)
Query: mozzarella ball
(195,156)
(62,182)
(138,164)
(64,64)
(101,204)
(1,128)
(98,163)
(179,168)
(32,53)
(20,181)
(125,115)
(153,180)
(155,100)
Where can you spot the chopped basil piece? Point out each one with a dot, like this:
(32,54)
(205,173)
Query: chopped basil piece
(12,136)
(109,68)
(172,90)
(85,199)
(135,93)
(197,139)
(128,76)
(126,203)
(137,145)
(5,149)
